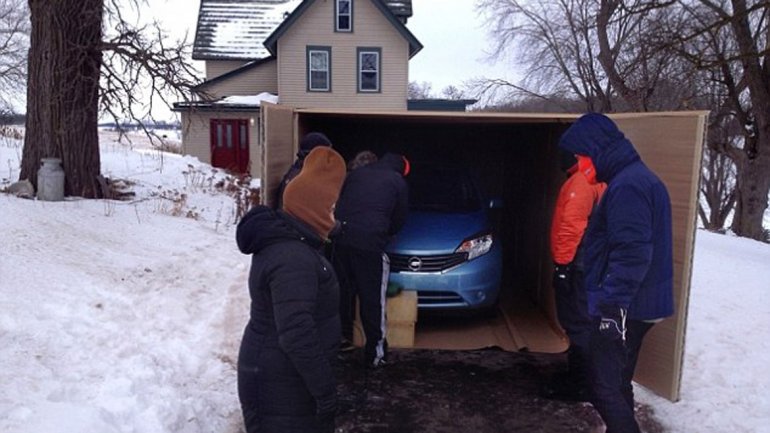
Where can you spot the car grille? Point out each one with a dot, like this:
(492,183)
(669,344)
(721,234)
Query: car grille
(425,298)
(438,263)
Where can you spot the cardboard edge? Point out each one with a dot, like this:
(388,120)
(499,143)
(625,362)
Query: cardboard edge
(681,332)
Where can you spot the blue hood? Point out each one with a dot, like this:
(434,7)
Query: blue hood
(436,232)
(596,136)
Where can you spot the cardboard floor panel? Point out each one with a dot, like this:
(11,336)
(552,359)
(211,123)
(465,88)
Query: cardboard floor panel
(520,326)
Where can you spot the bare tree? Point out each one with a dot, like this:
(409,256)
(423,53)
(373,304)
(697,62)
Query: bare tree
(75,69)
(14,41)
(730,40)
(554,41)
(640,66)
(419,90)
(452,92)
(607,53)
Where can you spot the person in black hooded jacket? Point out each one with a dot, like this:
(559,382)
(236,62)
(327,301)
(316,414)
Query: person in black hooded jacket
(310,141)
(373,206)
(286,379)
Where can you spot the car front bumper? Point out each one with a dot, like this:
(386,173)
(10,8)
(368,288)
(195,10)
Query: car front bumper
(473,284)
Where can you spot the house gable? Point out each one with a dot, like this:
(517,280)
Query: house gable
(271,43)
(377,40)
(238,29)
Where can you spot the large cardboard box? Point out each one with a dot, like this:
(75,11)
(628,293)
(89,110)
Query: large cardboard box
(516,154)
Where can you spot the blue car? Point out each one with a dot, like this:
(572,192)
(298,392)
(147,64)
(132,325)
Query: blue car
(447,250)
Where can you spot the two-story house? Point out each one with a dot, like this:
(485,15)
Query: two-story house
(340,54)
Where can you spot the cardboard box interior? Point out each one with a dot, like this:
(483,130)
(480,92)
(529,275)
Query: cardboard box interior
(514,162)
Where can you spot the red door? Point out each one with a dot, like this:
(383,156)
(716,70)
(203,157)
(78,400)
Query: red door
(230,144)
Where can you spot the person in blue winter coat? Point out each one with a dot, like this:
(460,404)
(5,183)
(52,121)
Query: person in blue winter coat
(628,263)
(286,378)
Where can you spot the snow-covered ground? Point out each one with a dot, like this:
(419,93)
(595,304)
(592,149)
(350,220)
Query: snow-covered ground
(126,316)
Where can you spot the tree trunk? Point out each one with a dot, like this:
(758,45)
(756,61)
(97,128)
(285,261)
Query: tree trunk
(752,187)
(63,92)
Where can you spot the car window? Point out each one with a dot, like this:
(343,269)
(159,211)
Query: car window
(442,189)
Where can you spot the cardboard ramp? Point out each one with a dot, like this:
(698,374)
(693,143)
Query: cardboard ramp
(517,325)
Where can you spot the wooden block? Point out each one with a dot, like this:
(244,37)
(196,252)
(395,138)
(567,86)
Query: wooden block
(402,315)
(398,334)
(403,307)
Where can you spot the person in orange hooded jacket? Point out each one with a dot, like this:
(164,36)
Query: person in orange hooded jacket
(577,198)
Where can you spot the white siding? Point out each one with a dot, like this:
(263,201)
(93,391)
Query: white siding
(262,78)
(215,68)
(370,29)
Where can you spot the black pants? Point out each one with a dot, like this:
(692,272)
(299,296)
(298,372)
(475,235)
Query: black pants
(612,368)
(364,274)
(572,312)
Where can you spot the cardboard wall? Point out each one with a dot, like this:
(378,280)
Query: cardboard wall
(665,142)
(277,125)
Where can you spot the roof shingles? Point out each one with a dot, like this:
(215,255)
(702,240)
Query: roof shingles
(236,29)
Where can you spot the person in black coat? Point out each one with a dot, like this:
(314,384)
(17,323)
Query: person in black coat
(373,206)
(286,379)
(310,141)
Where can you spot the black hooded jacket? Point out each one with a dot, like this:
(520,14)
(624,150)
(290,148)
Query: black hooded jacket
(290,174)
(292,337)
(373,204)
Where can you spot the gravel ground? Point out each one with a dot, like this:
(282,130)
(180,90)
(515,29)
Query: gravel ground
(480,391)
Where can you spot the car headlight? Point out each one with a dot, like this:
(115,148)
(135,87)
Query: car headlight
(476,246)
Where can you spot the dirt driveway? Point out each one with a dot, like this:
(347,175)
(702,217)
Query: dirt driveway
(481,391)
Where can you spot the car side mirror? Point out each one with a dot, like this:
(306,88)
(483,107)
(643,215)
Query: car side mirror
(495,203)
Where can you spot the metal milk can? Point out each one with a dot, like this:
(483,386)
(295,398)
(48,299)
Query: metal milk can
(50,180)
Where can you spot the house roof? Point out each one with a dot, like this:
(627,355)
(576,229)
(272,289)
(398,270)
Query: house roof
(236,29)
(400,8)
(239,29)
(439,104)
(230,103)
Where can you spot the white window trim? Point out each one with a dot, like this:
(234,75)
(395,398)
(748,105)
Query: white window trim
(339,14)
(378,71)
(327,52)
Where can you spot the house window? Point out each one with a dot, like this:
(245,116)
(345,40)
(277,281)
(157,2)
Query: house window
(243,136)
(319,69)
(229,141)
(344,15)
(369,70)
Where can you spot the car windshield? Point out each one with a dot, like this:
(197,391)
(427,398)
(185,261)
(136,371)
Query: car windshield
(442,189)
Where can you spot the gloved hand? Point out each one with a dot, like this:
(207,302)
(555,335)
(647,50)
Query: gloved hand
(326,410)
(393,290)
(612,325)
(562,277)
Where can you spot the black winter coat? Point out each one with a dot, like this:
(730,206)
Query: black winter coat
(285,365)
(373,204)
(290,174)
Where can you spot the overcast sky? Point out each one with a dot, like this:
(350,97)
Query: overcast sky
(452,33)
(455,44)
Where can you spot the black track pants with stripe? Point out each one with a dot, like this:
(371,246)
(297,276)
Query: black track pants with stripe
(364,274)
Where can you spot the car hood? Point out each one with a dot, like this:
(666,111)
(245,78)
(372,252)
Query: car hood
(436,232)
